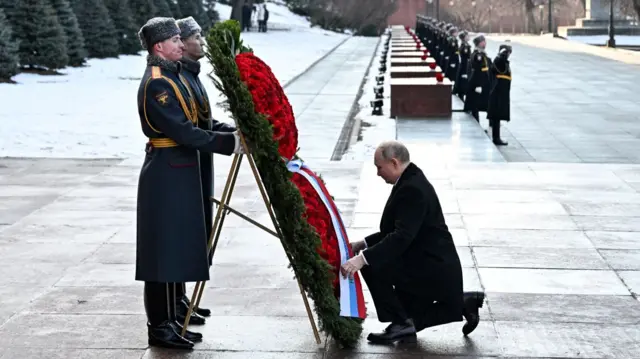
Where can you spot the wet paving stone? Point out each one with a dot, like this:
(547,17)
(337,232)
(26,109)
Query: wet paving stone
(557,308)
(622,259)
(445,340)
(569,340)
(552,281)
(557,243)
(549,258)
(37,353)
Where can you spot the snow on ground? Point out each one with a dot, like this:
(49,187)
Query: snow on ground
(375,129)
(621,40)
(91,112)
(279,16)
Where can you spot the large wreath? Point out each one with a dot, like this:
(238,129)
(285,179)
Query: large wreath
(264,116)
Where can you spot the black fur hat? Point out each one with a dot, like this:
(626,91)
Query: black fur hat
(478,39)
(188,26)
(157,29)
(462,34)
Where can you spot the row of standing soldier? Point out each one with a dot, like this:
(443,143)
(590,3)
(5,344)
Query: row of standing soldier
(484,85)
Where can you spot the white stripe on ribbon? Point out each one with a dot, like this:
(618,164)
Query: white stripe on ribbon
(348,298)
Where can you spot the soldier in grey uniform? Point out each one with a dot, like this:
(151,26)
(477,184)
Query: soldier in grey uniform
(191,36)
(171,229)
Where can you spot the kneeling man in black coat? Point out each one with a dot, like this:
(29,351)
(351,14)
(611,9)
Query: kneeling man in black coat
(411,265)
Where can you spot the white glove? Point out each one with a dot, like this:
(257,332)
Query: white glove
(479,89)
(238,146)
(464,76)
(453,65)
(441,52)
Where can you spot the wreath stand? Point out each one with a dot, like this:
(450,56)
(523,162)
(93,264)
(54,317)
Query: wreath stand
(223,209)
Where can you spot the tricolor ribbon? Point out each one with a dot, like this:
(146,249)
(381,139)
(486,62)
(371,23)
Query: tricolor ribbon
(351,297)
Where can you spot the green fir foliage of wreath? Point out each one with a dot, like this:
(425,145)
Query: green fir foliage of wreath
(300,239)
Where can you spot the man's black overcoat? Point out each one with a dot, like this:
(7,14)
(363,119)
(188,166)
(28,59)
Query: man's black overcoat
(415,245)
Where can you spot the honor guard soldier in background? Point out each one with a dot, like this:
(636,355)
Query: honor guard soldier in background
(462,77)
(452,55)
(477,97)
(191,36)
(171,232)
(500,96)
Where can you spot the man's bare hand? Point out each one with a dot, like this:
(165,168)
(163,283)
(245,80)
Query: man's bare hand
(358,246)
(350,267)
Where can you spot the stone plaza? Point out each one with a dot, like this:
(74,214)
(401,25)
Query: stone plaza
(548,227)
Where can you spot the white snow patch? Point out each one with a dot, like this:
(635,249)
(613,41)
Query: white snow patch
(279,16)
(375,129)
(92,112)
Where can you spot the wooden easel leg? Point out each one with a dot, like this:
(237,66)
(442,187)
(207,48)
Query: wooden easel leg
(215,233)
(265,197)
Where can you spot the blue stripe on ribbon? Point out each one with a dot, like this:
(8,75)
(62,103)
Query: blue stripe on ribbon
(348,293)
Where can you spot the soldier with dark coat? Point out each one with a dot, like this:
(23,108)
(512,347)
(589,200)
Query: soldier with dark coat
(462,77)
(171,231)
(500,96)
(193,41)
(452,56)
(477,97)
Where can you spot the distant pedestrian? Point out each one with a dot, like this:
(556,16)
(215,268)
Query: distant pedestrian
(263,17)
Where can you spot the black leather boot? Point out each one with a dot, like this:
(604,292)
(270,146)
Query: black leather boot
(473,301)
(495,134)
(160,330)
(183,308)
(396,332)
(165,335)
(189,335)
(181,294)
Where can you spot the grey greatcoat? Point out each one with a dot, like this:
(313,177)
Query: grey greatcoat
(191,71)
(171,231)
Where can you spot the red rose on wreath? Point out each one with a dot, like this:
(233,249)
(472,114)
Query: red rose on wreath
(319,218)
(269,99)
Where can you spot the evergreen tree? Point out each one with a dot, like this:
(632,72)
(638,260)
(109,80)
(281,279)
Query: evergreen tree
(99,33)
(42,42)
(8,7)
(162,8)
(210,9)
(142,11)
(8,50)
(175,10)
(196,9)
(127,32)
(75,40)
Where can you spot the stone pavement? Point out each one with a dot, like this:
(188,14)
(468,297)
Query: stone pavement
(324,96)
(67,239)
(570,105)
(554,245)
